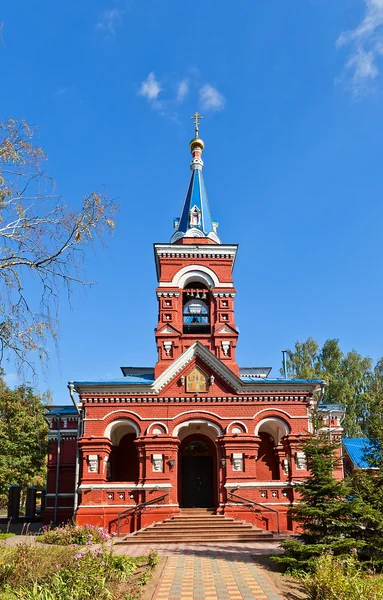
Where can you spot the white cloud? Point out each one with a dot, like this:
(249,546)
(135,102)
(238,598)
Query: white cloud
(150,88)
(110,20)
(211,98)
(366,41)
(182,90)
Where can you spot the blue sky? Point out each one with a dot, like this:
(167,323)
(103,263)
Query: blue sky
(291,93)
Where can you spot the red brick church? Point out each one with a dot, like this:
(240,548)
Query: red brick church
(195,430)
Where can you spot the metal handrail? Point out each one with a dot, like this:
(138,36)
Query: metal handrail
(137,508)
(247,501)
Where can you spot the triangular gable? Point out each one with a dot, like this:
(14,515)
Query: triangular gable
(225,329)
(207,360)
(168,329)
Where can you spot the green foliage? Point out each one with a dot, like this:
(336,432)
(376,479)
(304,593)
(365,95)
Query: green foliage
(341,579)
(326,518)
(349,378)
(65,573)
(5,536)
(74,534)
(23,438)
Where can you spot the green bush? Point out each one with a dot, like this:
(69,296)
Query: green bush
(335,578)
(74,534)
(5,536)
(67,573)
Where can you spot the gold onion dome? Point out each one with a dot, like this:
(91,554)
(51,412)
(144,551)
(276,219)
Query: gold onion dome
(196,143)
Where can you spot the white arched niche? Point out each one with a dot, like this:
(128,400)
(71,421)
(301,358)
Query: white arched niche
(116,430)
(198,273)
(275,427)
(200,426)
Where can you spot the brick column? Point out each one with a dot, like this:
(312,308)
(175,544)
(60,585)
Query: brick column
(94,454)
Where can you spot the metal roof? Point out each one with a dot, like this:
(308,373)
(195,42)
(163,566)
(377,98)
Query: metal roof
(254,372)
(61,410)
(356,448)
(138,371)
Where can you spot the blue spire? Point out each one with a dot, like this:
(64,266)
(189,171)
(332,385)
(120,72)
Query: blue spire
(195,220)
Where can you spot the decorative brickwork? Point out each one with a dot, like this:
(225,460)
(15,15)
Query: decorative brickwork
(195,429)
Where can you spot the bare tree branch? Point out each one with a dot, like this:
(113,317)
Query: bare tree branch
(42,242)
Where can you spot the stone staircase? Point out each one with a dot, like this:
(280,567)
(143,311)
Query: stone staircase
(197,526)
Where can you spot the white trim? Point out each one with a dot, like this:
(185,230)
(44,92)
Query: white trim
(157,423)
(195,270)
(274,410)
(237,423)
(113,424)
(188,412)
(180,426)
(125,486)
(272,419)
(62,431)
(197,349)
(260,484)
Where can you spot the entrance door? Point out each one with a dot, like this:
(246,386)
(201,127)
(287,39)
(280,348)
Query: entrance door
(197,481)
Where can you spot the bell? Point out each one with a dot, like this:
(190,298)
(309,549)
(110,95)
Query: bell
(191,295)
(197,295)
(204,296)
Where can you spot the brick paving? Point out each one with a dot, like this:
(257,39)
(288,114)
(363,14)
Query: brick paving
(210,572)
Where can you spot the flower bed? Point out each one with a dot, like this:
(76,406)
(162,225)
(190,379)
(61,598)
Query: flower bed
(67,573)
(80,535)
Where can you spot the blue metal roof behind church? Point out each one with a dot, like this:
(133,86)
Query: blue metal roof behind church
(355,448)
(196,196)
(62,410)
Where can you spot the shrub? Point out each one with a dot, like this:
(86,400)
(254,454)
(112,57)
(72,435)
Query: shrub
(341,579)
(68,573)
(74,534)
(5,536)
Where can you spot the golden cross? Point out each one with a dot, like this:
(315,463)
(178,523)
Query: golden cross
(196,116)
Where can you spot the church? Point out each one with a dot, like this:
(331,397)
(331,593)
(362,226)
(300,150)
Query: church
(196,430)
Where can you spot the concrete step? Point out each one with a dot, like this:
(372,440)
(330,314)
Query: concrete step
(154,532)
(131,539)
(191,532)
(224,527)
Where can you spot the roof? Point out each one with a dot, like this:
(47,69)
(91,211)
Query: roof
(356,448)
(195,219)
(61,410)
(254,372)
(145,372)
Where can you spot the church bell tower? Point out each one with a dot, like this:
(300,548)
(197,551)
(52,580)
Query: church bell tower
(195,287)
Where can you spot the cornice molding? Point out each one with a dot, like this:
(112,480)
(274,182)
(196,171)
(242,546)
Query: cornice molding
(113,399)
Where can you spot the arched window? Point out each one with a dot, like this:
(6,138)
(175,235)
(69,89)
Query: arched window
(196,308)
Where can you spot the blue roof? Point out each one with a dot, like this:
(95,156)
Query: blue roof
(355,448)
(146,379)
(279,380)
(196,196)
(62,410)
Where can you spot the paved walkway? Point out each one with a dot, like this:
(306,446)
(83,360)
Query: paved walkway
(211,572)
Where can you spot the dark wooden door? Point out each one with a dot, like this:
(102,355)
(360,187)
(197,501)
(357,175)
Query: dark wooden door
(197,481)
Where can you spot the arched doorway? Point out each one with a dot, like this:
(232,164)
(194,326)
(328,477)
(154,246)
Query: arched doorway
(270,431)
(123,459)
(197,472)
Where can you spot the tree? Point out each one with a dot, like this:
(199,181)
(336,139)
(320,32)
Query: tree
(348,376)
(326,519)
(23,438)
(42,242)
